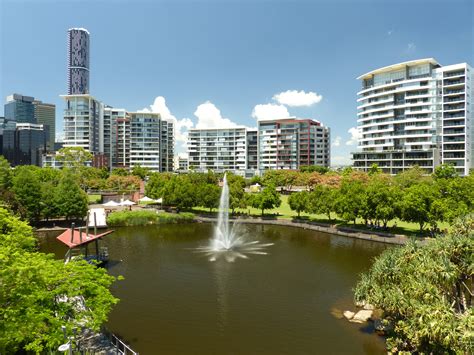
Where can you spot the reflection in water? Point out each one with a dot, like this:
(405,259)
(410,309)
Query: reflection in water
(240,251)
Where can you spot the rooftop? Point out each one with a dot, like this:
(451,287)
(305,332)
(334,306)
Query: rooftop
(399,66)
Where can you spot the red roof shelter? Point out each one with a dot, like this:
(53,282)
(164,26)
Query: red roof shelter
(78,239)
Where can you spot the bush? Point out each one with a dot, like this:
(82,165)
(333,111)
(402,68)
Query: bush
(425,293)
(142,218)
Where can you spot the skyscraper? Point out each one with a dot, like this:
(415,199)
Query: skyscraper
(78,61)
(45,114)
(20,108)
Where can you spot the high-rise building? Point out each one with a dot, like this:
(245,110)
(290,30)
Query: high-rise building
(218,149)
(145,131)
(416,113)
(20,108)
(252,150)
(45,114)
(25,143)
(167,145)
(78,61)
(83,123)
(290,143)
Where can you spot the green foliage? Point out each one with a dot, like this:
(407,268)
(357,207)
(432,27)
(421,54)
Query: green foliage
(27,189)
(298,201)
(120,172)
(425,292)
(141,172)
(5,173)
(267,199)
(144,217)
(74,157)
(237,196)
(70,199)
(123,183)
(314,168)
(445,171)
(417,205)
(322,200)
(40,294)
(209,195)
(374,169)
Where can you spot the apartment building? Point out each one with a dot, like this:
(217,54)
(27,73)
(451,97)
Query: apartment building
(416,113)
(290,143)
(218,149)
(83,123)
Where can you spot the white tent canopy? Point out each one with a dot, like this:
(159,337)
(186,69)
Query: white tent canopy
(111,203)
(127,203)
(160,200)
(146,199)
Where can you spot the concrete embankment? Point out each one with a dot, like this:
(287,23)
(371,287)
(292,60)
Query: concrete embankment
(344,231)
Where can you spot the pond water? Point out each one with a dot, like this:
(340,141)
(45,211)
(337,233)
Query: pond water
(175,301)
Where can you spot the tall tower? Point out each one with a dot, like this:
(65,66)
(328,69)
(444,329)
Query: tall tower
(78,61)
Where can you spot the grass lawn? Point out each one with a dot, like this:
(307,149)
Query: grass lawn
(94,198)
(285,212)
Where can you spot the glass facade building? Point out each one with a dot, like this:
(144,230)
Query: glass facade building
(25,144)
(20,108)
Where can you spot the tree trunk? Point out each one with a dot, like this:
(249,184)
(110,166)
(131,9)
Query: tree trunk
(262,212)
(299,214)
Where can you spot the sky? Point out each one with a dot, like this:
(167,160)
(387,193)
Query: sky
(228,62)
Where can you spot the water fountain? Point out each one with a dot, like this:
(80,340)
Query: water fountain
(229,241)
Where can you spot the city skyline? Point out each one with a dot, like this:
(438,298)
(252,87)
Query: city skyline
(212,65)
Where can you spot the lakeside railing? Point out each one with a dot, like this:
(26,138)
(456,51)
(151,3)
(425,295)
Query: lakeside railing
(121,347)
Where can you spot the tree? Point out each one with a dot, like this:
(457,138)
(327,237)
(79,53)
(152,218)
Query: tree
(425,293)
(70,199)
(40,294)
(416,204)
(374,169)
(123,183)
(381,199)
(141,172)
(156,183)
(5,173)
(322,200)
(209,195)
(27,190)
(445,171)
(237,198)
(180,192)
(298,201)
(74,157)
(351,199)
(49,208)
(120,172)
(267,199)
(314,168)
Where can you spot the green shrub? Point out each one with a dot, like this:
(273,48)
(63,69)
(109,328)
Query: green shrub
(141,218)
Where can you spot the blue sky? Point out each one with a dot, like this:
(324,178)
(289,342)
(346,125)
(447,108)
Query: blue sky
(228,56)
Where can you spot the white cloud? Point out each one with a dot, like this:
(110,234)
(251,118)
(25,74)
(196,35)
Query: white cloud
(390,32)
(355,134)
(209,116)
(336,141)
(181,125)
(270,112)
(341,160)
(295,98)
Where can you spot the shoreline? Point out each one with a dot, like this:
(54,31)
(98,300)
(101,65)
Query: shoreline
(380,237)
